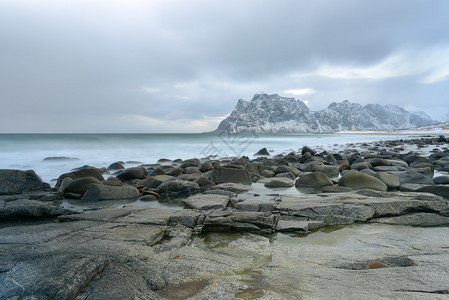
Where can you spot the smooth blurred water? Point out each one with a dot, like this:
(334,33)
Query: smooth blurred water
(28,151)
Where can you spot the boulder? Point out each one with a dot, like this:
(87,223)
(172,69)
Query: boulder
(267,173)
(80,173)
(159,171)
(369,172)
(376,162)
(192,170)
(261,152)
(174,172)
(116,166)
(390,179)
(24,208)
(154,182)
(361,165)
(358,180)
(100,192)
(286,175)
(79,186)
(17,182)
(206,202)
(440,190)
(206,166)
(441,179)
(413,177)
(279,183)
(330,171)
(132,173)
(189,177)
(224,175)
(307,149)
(313,180)
(204,181)
(178,188)
(284,169)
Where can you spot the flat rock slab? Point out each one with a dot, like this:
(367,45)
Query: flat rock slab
(241,221)
(105,214)
(416,219)
(206,202)
(233,187)
(160,216)
(31,208)
(348,208)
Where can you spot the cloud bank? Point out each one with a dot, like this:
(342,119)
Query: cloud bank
(180,66)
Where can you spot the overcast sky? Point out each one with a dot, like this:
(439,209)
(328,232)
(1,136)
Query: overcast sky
(181,66)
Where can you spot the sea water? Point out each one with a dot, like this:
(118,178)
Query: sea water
(29,151)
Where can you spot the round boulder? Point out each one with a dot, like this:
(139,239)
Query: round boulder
(441,179)
(358,180)
(79,186)
(313,180)
(132,173)
(391,180)
(178,188)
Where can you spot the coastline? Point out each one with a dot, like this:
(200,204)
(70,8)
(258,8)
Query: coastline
(235,227)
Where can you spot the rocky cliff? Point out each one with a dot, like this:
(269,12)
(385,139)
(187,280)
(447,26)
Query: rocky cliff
(276,114)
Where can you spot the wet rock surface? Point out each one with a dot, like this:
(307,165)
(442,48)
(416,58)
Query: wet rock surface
(223,236)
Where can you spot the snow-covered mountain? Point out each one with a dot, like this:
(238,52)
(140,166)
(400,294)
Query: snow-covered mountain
(276,114)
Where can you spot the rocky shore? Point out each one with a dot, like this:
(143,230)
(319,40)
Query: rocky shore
(367,221)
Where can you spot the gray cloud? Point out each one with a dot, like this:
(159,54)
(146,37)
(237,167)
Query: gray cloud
(149,66)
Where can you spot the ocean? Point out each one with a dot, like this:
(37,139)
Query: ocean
(31,151)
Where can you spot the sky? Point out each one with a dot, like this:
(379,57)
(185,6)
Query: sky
(181,65)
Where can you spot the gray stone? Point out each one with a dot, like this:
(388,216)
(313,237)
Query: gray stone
(116,166)
(413,177)
(206,202)
(258,206)
(313,180)
(100,192)
(358,180)
(17,182)
(440,190)
(291,169)
(241,221)
(24,208)
(415,219)
(361,165)
(390,179)
(441,179)
(178,187)
(220,192)
(132,173)
(225,175)
(206,166)
(279,183)
(369,172)
(267,173)
(335,189)
(79,186)
(80,173)
(204,182)
(233,187)
(330,171)
(155,181)
(261,152)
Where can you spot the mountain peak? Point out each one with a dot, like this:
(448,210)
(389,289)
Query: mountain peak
(276,114)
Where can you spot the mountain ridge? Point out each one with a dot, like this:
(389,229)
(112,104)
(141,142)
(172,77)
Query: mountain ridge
(275,114)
